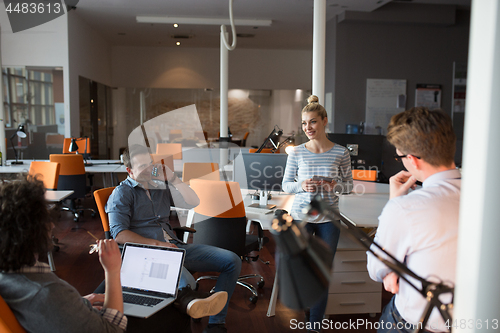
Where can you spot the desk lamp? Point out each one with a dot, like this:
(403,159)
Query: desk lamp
(288,143)
(304,263)
(73,147)
(22,134)
(274,135)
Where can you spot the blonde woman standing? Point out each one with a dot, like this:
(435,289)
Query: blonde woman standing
(317,157)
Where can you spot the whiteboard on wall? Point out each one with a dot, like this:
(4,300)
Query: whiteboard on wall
(384,98)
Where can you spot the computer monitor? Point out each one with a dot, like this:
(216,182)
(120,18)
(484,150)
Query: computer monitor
(261,172)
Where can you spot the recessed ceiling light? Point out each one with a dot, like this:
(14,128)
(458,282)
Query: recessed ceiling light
(176,25)
(178,43)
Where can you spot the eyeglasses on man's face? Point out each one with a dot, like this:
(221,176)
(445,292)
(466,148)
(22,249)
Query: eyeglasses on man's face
(399,157)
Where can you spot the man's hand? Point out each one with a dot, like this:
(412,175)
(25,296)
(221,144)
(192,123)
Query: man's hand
(96,300)
(167,244)
(400,183)
(109,255)
(391,283)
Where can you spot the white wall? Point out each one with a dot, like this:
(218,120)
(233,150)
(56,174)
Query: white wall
(157,67)
(90,57)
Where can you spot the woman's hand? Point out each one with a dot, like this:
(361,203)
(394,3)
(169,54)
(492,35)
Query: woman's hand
(327,186)
(310,185)
(96,300)
(109,255)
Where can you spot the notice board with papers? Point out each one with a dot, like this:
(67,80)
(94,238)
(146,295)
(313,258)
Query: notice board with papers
(384,98)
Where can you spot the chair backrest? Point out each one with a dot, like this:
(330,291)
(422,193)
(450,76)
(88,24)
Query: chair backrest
(368,175)
(101,198)
(263,151)
(244,141)
(220,217)
(8,322)
(209,171)
(71,164)
(81,142)
(174,149)
(71,174)
(48,172)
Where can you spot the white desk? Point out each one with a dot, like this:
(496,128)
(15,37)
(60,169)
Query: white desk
(57,196)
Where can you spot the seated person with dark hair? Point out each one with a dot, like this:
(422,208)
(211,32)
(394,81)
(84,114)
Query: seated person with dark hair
(40,300)
(139,212)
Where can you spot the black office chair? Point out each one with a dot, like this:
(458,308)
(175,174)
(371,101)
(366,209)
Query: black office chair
(72,177)
(220,220)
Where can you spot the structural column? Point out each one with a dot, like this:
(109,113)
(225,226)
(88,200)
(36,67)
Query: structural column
(477,296)
(319,35)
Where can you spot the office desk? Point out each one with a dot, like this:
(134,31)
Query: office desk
(363,296)
(57,196)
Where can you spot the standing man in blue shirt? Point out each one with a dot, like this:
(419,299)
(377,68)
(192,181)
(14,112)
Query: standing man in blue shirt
(139,211)
(419,228)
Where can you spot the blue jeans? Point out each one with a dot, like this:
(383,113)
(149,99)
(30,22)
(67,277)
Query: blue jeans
(392,321)
(206,258)
(330,234)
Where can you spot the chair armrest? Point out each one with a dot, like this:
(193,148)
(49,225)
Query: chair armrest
(180,231)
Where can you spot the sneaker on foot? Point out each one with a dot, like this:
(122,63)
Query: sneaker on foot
(201,304)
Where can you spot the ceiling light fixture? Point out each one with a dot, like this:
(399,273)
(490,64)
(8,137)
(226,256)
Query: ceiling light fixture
(202,21)
(176,25)
(178,43)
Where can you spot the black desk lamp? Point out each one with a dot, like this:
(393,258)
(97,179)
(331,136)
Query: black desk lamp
(22,134)
(289,142)
(275,134)
(73,147)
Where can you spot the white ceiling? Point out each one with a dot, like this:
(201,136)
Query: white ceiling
(292,20)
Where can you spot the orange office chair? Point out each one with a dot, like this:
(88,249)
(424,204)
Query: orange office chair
(83,146)
(367,175)
(101,198)
(244,140)
(220,220)
(174,149)
(72,177)
(48,172)
(191,170)
(8,322)
(263,151)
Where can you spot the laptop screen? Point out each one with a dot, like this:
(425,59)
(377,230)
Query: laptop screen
(151,268)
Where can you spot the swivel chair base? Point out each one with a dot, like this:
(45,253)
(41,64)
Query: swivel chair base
(241,282)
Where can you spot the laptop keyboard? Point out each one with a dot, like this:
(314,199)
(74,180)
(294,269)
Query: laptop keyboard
(141,300)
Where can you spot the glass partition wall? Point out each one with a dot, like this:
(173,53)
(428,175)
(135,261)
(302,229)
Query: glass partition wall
(31,98)
(252,111)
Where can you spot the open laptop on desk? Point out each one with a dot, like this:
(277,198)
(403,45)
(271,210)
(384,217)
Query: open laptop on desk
(150,278)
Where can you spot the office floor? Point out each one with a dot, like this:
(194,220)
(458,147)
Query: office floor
(84,272)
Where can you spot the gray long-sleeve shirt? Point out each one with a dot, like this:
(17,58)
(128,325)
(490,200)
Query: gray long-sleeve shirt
(42,302)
